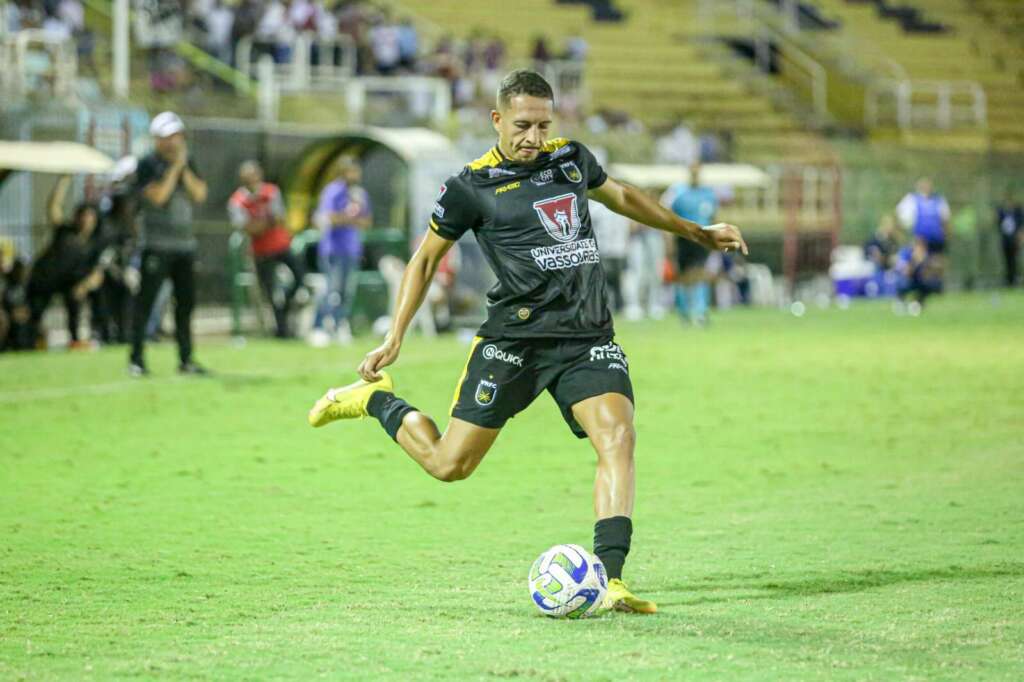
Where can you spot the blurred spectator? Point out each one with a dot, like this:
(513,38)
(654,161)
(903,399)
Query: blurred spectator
(273,33)
(926,215)
(1010,221)
(66,266)
(257,208)
(220,22)
(643,285)
(612,233)
(342,214)
(408,45)
(385,43)
(540,54)
(168,186)
(881,248)
(678,146)
(576,48)
(112,302)
(698,204)
(16,331)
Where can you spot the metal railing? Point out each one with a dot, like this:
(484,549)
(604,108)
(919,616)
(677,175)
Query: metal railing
(37,61)
(925,104)
(336,61)
(774,47)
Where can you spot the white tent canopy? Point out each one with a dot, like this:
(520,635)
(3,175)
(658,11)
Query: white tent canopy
(655,176)
(53,157)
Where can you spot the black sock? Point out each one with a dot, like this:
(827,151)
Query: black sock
(611,543)
(389,410)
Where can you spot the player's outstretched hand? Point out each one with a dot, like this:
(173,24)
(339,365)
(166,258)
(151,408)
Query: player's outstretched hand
(724,237)
(377,359)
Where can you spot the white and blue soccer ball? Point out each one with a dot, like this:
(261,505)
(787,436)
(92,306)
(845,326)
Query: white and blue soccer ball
(568,582)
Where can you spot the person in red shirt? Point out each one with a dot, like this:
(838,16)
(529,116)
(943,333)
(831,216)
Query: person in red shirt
(257,208)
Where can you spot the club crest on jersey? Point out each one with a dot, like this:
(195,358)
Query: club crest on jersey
(571,171)
(544,177)
(559,216)
(486,392)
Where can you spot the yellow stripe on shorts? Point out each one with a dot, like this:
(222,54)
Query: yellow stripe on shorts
(465,371)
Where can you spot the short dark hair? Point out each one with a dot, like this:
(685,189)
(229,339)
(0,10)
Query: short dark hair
(523,82)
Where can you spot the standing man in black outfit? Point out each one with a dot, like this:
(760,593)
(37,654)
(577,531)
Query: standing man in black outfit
(168,186)
(1010,221)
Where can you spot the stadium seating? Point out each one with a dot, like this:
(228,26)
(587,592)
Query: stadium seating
(979,46)
(652,64)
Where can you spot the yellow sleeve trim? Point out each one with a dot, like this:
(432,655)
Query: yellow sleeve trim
(434,226)
(555,144)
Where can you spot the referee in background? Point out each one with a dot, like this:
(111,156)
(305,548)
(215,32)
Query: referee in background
(168,186)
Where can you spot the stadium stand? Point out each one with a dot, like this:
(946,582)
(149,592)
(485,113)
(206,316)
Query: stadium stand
(978,46)
(653,64)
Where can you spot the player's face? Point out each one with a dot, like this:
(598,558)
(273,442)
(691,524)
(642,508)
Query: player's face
(523,126)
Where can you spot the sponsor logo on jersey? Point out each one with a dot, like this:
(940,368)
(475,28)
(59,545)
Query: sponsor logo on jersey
(609,351)
(444,188)
(486,392)
(438,210)
(560,216)
(544,177)
(571,171)
(561,151)
(508,188)
(492,352)
(562,256)
(523,313)
(499,172)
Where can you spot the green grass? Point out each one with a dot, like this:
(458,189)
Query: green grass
(839,496)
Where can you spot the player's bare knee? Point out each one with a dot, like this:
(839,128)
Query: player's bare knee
(452,471)
(617,441)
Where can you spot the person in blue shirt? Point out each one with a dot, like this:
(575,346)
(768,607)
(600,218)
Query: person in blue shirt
(699,204)
(925,214)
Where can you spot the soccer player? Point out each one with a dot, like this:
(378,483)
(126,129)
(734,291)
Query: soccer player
(548,325)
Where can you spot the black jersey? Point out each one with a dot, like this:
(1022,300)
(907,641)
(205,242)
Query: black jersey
(533,223)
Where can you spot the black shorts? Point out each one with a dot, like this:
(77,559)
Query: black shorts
(503,376)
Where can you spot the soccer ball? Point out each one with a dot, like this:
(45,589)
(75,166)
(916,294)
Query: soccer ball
(567,582)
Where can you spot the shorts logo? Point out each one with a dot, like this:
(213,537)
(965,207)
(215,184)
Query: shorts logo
(610,351)
(559,216)
(492,352)
(544,177)
(508,188)
(571,171)
(615,365)
(486,391)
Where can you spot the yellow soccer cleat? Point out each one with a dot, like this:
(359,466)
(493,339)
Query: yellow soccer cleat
(620,598)
(348,402)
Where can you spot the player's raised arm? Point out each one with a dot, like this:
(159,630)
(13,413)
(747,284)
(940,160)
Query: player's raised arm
(631,202)
(415,282)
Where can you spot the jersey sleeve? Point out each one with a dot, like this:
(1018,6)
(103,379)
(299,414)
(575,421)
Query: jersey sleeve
(455,209)
(592,170)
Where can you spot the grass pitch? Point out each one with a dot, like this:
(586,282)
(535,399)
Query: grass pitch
(839,496)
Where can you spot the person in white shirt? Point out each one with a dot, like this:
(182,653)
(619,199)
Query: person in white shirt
(612,232)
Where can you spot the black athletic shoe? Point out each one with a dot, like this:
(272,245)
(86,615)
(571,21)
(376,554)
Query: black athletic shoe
(192,369)
(137,370)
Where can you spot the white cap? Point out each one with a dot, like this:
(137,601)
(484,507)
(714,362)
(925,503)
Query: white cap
(166,124)
(124,167)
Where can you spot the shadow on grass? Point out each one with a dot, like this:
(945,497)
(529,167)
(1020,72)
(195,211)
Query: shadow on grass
(843,582)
